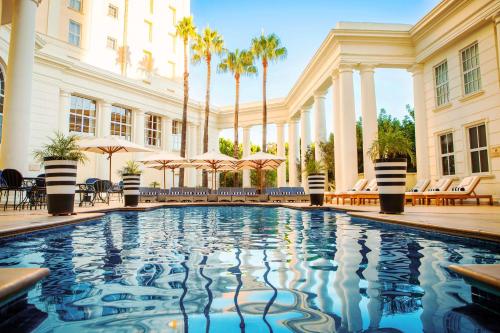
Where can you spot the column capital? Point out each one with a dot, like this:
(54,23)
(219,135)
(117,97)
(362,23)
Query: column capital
(293,120)
(37,2)
(335,74)
(280,124)
(305,109)
(319,94)
(64,93)
(346,68)
(496,18)
(366,68)
(416,69)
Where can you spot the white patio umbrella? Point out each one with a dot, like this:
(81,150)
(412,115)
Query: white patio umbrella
(214,161)
(261,161)
(110,145)
(164,161)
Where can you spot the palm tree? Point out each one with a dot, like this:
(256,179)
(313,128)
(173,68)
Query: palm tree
(267,49)
(185,30)
(208,43)
(239,62)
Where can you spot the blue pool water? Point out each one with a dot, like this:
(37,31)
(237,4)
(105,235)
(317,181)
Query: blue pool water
(245,269)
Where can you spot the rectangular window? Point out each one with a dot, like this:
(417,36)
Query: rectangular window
(478,147)
(470,69)
(121,122)
(113,11)
(441,82)
(75,5)
(153,130)
(82,115)
(149,29)
(173,15)
(176,135)
(111,43)
(74,33)
(447,154)
(171,69)
(173,43)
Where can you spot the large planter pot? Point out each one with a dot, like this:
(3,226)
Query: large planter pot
(316,184)
(391,182)
(60,183)
(131,183)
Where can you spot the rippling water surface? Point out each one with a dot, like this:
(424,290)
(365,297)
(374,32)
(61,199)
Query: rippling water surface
(245,269)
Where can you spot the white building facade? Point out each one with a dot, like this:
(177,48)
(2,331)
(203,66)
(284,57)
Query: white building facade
(114,67)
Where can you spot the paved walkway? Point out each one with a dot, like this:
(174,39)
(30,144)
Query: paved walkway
(472,221)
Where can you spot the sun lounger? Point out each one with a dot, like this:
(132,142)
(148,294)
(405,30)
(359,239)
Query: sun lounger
(426,197)
(238,194)
(359,186)
(251,195)
(148,194)
(162,195)
(370,192)
(200,194)
(294,194)
(465,190)
(224,194)
(415,193)
(175,195)
(274,194)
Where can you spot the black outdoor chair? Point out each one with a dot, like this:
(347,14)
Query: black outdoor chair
(38,197)
(102,190)
(117,189)
(13,183)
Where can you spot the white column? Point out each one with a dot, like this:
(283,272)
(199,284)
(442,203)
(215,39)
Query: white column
(64,110)
(368,116)
(166,134)
(292,152)
(305,141)
(421,138)
(246,152)
(337,129)
(103,129)
(54,18)
(138,135)
(348,159)
(319,123)
(280,141)
(15,148)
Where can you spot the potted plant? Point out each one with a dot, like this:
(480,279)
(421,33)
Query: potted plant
(389,153)
(315,182)
(60,158)
(131,175)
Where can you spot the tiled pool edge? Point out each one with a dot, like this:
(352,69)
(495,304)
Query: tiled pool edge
(393,219)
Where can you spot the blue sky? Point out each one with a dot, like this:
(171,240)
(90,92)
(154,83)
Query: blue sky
(302,27)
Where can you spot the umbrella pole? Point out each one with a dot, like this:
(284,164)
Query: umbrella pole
(173,177)
(164,178)
(109,157)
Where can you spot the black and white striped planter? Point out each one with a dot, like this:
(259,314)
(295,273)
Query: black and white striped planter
(391,181)
(131,183)
(316,184)
(60,183)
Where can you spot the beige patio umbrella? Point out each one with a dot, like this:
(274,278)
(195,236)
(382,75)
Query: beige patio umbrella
(261,161)
(164,161)
(214,161)
(110,145)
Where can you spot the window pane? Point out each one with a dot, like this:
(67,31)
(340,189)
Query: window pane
(449,138)
(483,154)
(473,137)
(482,135)
(474,159)
(444,165)
(451,165)
(444,149)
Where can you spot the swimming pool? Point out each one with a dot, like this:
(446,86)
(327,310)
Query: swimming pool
(245,269)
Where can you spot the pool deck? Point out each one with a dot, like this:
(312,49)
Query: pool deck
(469,221)
(15,282)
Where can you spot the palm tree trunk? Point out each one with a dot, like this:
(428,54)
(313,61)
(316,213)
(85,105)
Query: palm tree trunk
(207,114)
(184,112)
(264,119)
(236,111)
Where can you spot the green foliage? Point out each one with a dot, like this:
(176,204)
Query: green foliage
(186,29)
(268,48)
(154,184)
(328,150)
(226,147)
(130,167)
(392,143)
(313,166)
(207,43)
(239,62)
(61,147)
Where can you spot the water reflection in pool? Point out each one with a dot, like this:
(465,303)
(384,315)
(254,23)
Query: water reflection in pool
(246,269)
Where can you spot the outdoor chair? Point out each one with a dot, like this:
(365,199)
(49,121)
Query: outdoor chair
(162,195)
(427,196)
(369,193)
(102,189)
(148,194)
(238,194)
(187,194)
(14,182)
(200,194)
(274,194)
(174,195)
(224,194)
(297,194)
(415,193)
(38,193)
(359,186)
(251,194)
(465,190)
(117,189)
